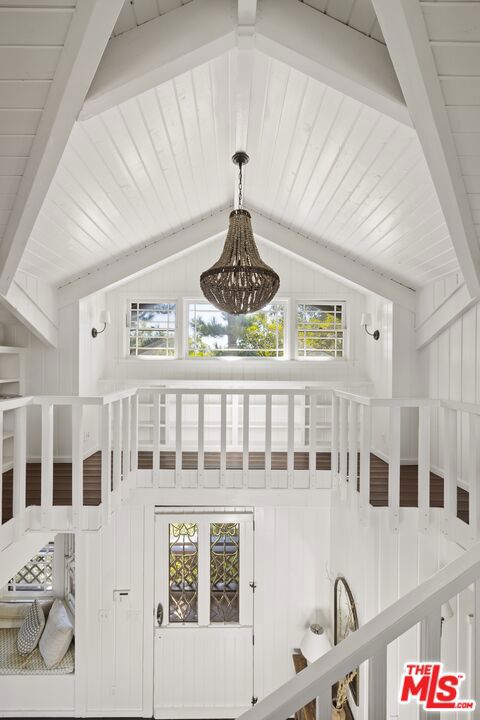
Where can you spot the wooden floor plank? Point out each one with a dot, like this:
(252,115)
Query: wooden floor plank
(62,478)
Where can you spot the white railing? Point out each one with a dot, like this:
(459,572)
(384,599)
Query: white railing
(353,439)
(423,606)
(235,437)
(118,442)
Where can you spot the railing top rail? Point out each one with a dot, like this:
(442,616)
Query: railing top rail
(390,624)
(471,408)
(387,402)
(14,403)
(307,390)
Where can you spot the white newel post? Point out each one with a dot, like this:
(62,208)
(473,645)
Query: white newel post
(77,465)
(117,448)
(473,478)
(424,417)
(106,462)
(394,469)
(450,467)
(365,448)
(19,469)
(377,684)
(47,464)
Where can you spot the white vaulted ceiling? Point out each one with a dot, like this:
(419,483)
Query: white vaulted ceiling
(322,164)
(358,14)
(32,36)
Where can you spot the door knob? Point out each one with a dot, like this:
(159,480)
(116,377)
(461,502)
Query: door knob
(159,613)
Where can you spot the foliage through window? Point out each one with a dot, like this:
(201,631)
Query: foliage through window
(320,330)
(213,333)
(152,329)
(37,574)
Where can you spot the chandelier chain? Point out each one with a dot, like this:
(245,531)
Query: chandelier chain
(240,186)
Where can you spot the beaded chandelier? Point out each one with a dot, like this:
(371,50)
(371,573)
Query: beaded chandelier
(240,282)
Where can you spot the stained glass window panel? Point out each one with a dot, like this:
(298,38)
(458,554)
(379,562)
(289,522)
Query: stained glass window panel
(183,573)
(225,572)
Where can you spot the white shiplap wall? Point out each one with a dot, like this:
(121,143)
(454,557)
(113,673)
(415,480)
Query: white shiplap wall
(31,40)
(381,567)
(180,278)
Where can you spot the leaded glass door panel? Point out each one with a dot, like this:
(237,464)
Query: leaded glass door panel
(203,614)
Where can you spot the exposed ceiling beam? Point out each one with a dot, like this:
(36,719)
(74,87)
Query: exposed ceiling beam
(328,260)
(247,12)
(38,317)
(160,50)
(331,52)
(404,29)
(145,259)
(90,28)
(452,308)
(172,247)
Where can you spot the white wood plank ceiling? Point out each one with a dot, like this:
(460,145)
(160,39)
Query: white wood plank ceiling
(358,14)
(454,32)
(32,35)
(136,12)
(322,164)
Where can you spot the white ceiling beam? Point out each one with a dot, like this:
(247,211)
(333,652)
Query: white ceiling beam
(87,37)
(332,52)
(247,12)
(340,267)
(448,312)
(165,249)
(160,50)
(38,317)
(145,259)
(404,29)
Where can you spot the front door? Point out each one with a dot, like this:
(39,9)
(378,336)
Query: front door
(204,614)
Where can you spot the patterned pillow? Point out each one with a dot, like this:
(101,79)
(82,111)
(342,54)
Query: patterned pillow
(31,629)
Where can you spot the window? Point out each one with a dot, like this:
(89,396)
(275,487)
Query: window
(152,329)
(212,333)
(225,572)
(321,330)
(37,575)
(183,573)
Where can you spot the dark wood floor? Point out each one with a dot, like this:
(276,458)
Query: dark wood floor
(62,478)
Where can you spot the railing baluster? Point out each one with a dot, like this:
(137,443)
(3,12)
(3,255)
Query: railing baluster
(126,439)
(365,449)
(47,464)
(335,436)
(377,685)
(223,438)
(19,469)
(246,437)
(77,465)
(473,478)
(268,440)
(324,702)
(134,434)
(106,462)
(430,635)
(394,469)
(156,437)
(291,439)
(343,439)
(450,467)
(312,456)
(476,645)
(178,440)
(352,449)
(424,467)
(117,446)
(201,439)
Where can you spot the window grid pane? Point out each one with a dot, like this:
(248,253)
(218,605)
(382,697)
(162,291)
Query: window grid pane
(224,572)
(183,573)
(320,330)
(152,329)
(212,333)
(36,575)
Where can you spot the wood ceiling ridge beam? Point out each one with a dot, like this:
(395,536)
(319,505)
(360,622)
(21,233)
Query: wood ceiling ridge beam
(331,52)
(403,26)
(161,49)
